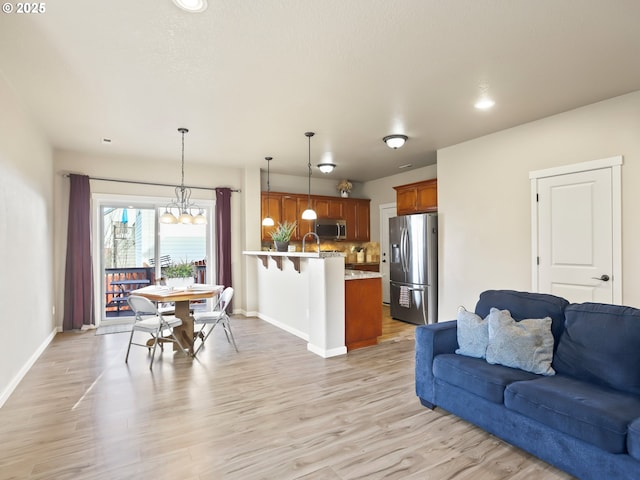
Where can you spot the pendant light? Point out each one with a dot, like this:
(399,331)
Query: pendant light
(183,202)
(268,221)
(309,213)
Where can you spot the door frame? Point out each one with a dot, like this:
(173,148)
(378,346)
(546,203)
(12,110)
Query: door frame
(384,240)
(98,200)
(615,165)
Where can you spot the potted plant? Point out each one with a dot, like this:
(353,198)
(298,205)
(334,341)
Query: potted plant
(179,274)
(344,187)
(282,235)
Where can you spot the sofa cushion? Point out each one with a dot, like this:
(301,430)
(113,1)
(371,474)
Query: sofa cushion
(601,343)
(525,305)
(526,344)
(477,376)
(473,334)
(592,413)
(633,439)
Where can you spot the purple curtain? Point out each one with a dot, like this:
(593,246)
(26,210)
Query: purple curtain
(223,236)
(78,279)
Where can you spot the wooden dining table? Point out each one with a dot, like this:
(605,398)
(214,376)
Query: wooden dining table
(181,297)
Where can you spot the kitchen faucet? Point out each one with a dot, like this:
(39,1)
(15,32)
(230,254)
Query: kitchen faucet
(305,238)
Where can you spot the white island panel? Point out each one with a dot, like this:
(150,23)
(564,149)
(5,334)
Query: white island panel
(308,303)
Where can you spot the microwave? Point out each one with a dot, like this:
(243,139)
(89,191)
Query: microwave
(331,228)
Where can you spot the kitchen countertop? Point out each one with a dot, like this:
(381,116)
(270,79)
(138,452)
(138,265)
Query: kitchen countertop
(296,254)
(360,274)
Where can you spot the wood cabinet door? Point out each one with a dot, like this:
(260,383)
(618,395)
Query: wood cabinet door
(350,215)
(419,197)
(328,207)
(304,226)
(427,196)
(363,233)
(406,200)
(290,212)
(270,205)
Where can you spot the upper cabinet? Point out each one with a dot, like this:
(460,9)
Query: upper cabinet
(419,197)
(289,207)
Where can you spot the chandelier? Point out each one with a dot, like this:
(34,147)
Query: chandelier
(182,203)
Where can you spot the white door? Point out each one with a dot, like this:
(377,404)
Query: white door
(387,211)
(576,241)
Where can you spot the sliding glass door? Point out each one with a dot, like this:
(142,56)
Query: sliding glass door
(135,250)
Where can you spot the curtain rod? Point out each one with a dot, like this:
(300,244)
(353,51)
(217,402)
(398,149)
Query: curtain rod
(103,179)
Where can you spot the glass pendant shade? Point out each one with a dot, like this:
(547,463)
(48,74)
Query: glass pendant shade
(185,218)
(268,222)
(200,218)
(168,218)
(309,214)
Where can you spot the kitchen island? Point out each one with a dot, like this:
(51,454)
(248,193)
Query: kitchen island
(303,294)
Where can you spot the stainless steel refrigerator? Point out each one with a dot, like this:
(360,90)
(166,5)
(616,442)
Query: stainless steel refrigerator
(413,270)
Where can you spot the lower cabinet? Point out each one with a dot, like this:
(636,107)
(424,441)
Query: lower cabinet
(362,312)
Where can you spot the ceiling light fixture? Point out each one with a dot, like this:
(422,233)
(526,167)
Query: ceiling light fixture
(183,202)
(268,221)
(326,167)
(395,141)
(193,6)
(484,103)
(309,213)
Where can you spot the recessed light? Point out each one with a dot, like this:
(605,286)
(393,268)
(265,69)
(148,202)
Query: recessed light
(193,6)
(485,103)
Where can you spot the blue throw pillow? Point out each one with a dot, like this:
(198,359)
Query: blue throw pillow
(601,344)
(526,344)
(473,334)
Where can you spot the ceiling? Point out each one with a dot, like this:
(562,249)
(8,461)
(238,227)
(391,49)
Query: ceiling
(249,77)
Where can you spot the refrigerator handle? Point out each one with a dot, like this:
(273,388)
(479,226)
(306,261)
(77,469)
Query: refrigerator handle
(405,247)
(402,251)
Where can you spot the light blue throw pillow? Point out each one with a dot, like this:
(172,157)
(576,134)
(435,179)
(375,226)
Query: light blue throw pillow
(473,334)
(527,344)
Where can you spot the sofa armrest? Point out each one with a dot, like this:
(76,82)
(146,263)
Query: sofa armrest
(432,340)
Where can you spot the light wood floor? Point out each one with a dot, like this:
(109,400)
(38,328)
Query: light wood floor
(273,411)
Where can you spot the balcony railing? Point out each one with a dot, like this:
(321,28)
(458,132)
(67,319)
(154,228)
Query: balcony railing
(118,282)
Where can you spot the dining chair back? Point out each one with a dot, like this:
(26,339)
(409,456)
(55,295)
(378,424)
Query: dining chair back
(149,320)
(218,316)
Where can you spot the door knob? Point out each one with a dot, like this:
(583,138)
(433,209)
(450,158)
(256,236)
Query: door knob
(604,278)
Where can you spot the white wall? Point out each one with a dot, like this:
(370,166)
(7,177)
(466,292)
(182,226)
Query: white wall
(26,241)
(484,197)
(148,170)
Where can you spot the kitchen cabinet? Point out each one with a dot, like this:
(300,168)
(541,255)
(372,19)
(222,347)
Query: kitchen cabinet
(271,205)
(418,197)
(362,312)
(289,207)
(356,213)
(327,207)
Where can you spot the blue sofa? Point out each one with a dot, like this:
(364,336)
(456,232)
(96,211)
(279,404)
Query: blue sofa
(584,420)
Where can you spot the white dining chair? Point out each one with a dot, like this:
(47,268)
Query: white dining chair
(150,320)
(218,316)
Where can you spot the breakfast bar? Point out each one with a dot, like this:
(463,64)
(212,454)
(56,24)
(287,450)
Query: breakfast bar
(303,294)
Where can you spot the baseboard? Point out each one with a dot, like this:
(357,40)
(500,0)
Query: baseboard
(6,393)
(286,328)
(324,353)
